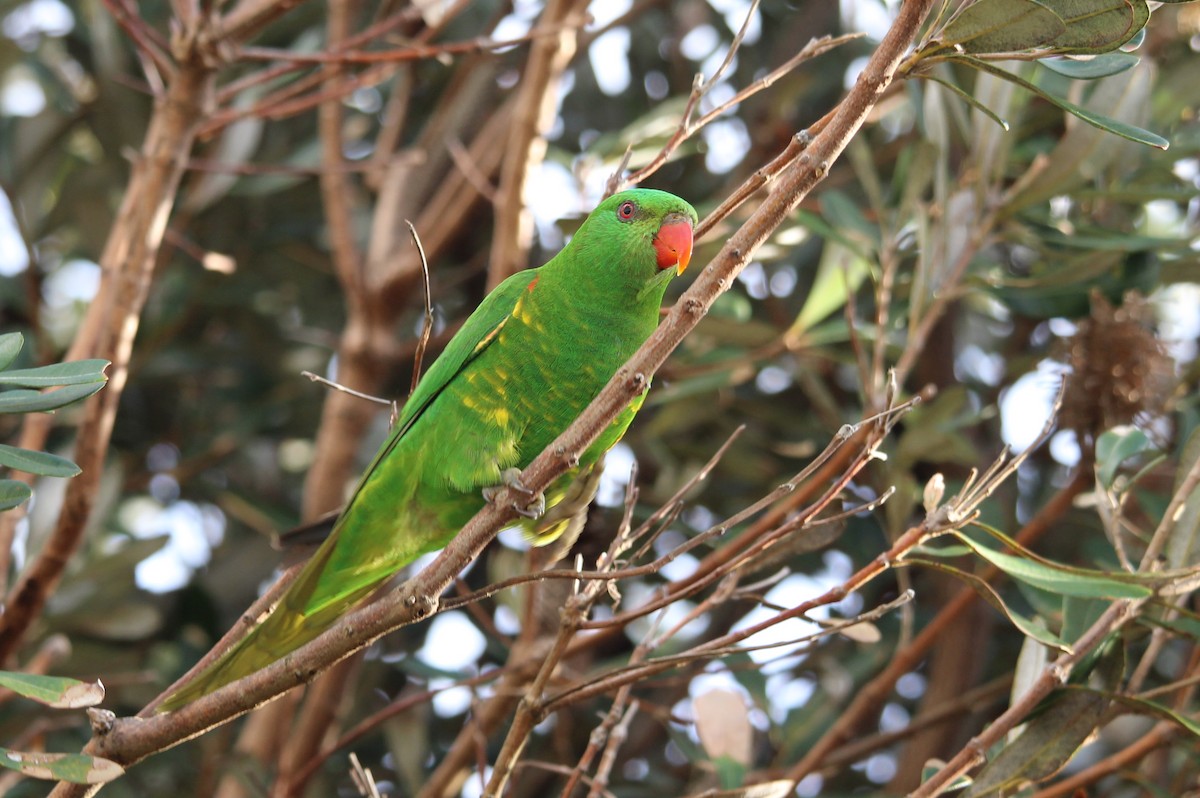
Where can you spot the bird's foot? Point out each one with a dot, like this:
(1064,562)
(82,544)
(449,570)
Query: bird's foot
(511,478)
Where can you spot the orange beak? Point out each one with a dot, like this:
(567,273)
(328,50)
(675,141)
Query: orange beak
(673,243)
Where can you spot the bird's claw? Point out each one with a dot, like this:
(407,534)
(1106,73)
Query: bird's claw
(511,478)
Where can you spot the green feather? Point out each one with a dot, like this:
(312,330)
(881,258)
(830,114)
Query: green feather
(531,357)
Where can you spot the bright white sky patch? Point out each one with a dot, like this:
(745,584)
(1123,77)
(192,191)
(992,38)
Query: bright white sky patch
(453,643)
(518,23)
(21,94)
(615,478)
(609,56)
(75,281)
(194,530)
(13,258)
(549,186)
(869,16)
(726,143)
(38,18)
(1025,407)
(791,591)
(1179,319)
(699,42)
(452,702)
(609,53)
(734,12)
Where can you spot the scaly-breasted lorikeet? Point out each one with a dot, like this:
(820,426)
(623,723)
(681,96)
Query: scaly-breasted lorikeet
(524,365)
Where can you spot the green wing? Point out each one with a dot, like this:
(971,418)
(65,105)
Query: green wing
(479,330)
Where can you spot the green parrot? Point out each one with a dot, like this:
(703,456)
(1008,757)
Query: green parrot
(530,358)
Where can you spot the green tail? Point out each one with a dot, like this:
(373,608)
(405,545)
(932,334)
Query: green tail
(289,626)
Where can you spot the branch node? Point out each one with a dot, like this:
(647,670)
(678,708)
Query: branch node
(102,720)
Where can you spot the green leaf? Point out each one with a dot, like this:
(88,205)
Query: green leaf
(1058,580)
(1079,614)
(843,214)
(10,347)
(76,372)
(730,772)
(1114,447)
(839,274)
(1003,26)
(1187,625)
(41,463)
(12,493)
(1122,129)
(1166,713)
(74,768)
(24,401)
(1100,66)
(1030,627)
(1056,730)
(970,100)
(1097,26)
(53,691)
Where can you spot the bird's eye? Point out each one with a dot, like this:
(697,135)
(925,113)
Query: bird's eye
(625,210)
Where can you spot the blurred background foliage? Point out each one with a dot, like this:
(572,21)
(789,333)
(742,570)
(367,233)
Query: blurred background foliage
(998,257)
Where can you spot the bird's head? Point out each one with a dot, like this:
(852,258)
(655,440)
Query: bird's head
(641,237)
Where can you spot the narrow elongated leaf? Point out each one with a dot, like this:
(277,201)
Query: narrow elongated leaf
(1122,129)
(42,463)
(970,100)
(1061,581)
(76,372)
(23,401)
(1003,26)
(840,273)
(1029,627)
(74,768)
(1183,624)
(1157,709)
(10,347)
(13,493)
(1100,66)
(54,691)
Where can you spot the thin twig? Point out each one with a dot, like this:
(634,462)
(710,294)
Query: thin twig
(427,325)
(337,386)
